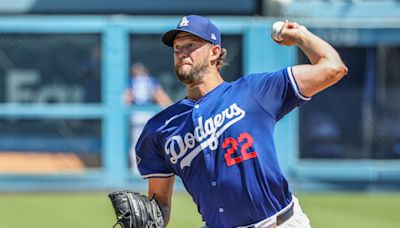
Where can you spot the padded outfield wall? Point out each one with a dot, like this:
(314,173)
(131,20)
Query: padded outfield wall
(63,124)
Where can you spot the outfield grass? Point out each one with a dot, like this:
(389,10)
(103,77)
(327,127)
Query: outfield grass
(85,210)
(352,210)
(78,210)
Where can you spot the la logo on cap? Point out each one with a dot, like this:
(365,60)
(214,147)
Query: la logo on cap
(184,22)
(213,36)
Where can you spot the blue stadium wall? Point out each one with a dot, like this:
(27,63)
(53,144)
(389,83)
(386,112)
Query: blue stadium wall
(258,53)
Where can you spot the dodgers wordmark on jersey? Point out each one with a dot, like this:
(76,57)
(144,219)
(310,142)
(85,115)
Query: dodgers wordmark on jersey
(222,147)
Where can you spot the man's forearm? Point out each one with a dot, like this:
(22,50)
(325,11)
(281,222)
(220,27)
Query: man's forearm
(317,49)
(326,66)
(166,210)
(161,189)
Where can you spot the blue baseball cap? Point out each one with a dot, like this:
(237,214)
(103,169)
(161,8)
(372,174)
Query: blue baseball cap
(196,25)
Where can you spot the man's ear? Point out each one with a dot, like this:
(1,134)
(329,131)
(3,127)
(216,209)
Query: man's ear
(215,52)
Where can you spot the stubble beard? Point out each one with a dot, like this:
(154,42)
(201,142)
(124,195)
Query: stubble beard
(195,75)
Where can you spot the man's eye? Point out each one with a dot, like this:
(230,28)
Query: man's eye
(189,45)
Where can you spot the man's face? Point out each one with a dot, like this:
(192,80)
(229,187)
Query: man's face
(191,57)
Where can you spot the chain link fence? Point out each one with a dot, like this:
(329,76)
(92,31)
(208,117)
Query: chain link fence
(359,118)
(50,69)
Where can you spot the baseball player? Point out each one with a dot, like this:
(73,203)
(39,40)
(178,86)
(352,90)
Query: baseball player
(220,138)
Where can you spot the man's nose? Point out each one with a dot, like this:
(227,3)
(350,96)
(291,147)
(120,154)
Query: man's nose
(182,54)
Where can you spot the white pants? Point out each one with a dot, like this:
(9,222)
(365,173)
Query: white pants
(298,219)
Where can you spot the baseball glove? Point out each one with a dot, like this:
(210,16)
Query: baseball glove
(136,211)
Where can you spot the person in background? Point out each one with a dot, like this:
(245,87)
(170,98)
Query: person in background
(143,89)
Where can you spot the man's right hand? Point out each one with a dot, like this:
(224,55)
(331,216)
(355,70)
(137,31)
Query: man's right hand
(292,33)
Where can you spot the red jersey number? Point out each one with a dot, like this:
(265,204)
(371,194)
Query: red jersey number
(231,145)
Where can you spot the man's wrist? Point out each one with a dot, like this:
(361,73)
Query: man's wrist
(302,36)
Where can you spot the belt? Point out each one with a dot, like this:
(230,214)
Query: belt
(281,217)
(285,215)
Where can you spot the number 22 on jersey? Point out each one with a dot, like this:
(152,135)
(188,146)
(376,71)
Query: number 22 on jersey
(243,143)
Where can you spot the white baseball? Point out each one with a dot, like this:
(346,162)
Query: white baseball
(276,30)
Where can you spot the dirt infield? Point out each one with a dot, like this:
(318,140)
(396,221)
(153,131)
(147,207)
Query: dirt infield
(33,162)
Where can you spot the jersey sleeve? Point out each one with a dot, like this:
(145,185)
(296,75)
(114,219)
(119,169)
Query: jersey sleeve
(277,91)
(149,157)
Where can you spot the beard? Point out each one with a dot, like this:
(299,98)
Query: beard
(195,75)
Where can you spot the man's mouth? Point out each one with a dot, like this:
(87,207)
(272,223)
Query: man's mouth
(183,63)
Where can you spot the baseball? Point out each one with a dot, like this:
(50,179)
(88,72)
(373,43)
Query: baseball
(276,30)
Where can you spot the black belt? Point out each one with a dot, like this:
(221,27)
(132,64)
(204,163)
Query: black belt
(283,216)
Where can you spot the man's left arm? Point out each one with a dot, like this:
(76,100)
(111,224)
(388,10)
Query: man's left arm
(161,189)
(326,66)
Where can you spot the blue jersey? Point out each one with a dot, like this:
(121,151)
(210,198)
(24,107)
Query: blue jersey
(143,88)
(222,147)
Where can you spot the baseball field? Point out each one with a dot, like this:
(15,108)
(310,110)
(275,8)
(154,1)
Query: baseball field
(93,210)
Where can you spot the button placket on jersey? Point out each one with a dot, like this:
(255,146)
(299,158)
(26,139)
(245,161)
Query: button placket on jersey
(209,162)
(207,153)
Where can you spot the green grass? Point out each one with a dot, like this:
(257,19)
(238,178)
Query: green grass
(78,210)
(352,210)
(93,210)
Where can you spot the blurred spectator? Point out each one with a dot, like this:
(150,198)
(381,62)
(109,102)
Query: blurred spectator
(143,90)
